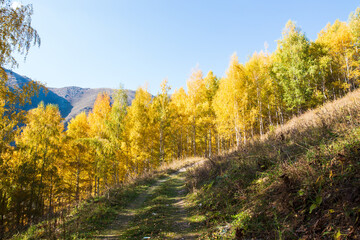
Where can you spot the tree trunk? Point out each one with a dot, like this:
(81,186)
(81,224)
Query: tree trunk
(210,150)
(77,191)
(244,135)
(161,142)
(41,181)
(194,137)
(95,187)
(51,193)
(2,213)
(269,112)
(98,184)
(260,112)
(205,149)
(237,136)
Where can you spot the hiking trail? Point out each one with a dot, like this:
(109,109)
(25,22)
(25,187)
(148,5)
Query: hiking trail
(160,212)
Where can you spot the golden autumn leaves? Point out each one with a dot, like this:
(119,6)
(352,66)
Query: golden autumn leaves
(44,167)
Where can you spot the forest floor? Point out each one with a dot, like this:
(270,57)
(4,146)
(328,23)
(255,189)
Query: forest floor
(159,212)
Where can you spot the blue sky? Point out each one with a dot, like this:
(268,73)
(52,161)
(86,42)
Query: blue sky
(91,43)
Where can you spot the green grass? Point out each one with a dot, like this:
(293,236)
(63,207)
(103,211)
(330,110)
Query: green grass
(163,216)
(90,217)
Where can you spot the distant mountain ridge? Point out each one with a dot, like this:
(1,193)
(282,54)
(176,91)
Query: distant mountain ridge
(71,100)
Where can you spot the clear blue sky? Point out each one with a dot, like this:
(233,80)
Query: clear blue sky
(90,43)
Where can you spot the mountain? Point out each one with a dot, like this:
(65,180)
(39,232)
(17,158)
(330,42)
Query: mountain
(71,100)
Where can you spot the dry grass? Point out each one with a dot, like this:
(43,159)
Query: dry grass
(164,169)
(178,164)
(299,181)
(343,111)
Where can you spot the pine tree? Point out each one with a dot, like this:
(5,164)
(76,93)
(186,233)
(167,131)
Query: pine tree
(180,123)
(41,139)
(339,41)
(293,69)
(211,86)
(195,100)
(17,36)
(115,128)
(138,130)
(230,104)
(100,140)
(161,118)
(78,172)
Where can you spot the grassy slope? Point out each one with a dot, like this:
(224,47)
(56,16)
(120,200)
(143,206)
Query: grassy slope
(301,181)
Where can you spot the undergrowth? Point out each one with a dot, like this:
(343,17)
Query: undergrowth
(95,214)
(301,181)
(89,217)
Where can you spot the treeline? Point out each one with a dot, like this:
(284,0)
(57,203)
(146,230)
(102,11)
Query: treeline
(44,167)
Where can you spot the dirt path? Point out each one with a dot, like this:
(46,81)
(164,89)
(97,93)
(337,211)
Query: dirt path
(117,228)
(158,213)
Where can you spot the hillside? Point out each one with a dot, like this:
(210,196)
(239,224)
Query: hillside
(71,100)
(299,181)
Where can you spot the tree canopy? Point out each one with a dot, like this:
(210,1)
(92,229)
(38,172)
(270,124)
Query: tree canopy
(45,167)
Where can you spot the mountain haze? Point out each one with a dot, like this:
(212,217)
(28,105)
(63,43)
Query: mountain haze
(71,100)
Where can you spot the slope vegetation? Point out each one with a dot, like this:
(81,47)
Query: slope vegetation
(300,181)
